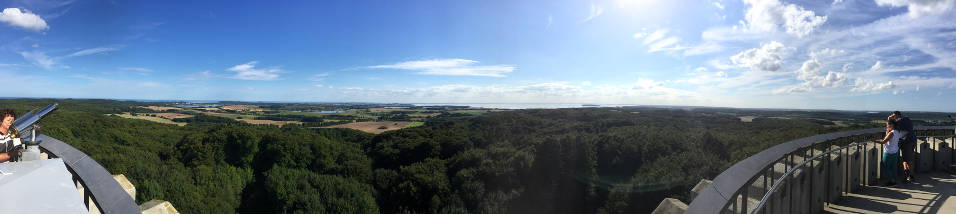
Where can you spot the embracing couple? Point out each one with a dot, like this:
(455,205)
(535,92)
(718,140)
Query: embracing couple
(900,138)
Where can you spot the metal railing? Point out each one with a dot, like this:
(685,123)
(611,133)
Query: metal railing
(99,187)
(803,175)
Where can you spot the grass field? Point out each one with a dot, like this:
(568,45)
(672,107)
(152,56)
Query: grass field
(153,119)
(415,124)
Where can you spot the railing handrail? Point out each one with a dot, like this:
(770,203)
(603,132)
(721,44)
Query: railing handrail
(106,193)
(778,181)
(716,196)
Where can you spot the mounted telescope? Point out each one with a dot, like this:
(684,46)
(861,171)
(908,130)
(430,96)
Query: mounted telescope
(23,125)
(26,123)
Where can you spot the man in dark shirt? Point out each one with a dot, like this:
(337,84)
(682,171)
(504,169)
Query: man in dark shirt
(907,144)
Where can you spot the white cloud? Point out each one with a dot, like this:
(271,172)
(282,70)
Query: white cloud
(248,71)
(705,48)
(594,13)
(867,86)
(920,7)
(876,66)
(142,70)
(767,15)
(202,75)
(642,91)
(718,64)
(812,74)
(451,67)
(659,41)
(718,5)
(658,34)
(23,19)
(768,57)
(96,50)
(39,59)
(827,52)
(668,43)
(639,35)
(318,77)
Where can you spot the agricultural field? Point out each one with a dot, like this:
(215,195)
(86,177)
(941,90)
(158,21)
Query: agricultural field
(161,108)
(363,117)
(149,118)
(268,122)
(374,127)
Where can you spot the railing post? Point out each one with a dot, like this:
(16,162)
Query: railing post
(925,157)
(790,185)
(945,156)
(836,177)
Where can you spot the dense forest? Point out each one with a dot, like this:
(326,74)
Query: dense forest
(590,160)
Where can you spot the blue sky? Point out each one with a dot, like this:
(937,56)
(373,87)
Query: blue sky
(846,54)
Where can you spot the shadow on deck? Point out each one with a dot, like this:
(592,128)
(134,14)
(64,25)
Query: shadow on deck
(933,193)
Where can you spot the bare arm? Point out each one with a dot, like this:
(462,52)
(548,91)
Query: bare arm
(4,157)
(889,135)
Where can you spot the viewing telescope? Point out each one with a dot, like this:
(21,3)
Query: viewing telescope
(24,124)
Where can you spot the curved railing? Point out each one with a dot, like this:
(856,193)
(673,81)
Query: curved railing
(99,186)
(802,175)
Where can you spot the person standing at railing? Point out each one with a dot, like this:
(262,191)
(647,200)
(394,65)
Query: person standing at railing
(907,144)
(7,150)
(891,151)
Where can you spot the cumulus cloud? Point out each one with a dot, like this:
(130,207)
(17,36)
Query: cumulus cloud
(920,7)
(812,76)
(248,71)
(766,58)
(450,67)
(767,15)
(23,19)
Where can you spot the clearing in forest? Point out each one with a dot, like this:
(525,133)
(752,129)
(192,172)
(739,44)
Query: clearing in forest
(149,118)
(373,127)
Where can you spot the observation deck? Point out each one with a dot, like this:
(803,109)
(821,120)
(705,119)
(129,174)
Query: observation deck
(99,191)
(831,173)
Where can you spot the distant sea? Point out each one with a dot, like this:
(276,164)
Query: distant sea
(523,105)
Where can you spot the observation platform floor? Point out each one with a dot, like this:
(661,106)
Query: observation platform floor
(932,193)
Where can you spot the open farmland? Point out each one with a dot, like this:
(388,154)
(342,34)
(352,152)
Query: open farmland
(373,127)
(149,118)
(268,122)
(171,115)
(160,108)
